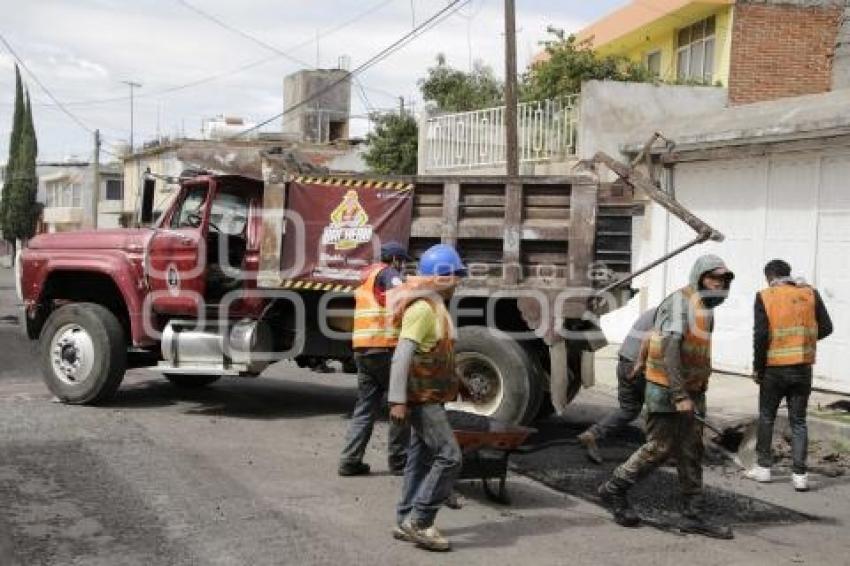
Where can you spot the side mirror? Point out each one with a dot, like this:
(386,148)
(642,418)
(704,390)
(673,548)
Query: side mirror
(148,189)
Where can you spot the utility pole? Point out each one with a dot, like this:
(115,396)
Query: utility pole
(95,190)
(511,152)
(511,236)
(401,106)
(132,86)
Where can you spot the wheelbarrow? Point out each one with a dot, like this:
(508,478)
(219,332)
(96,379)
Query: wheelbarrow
(486,445)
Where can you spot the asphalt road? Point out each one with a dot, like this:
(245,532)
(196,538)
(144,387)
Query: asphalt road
(244,473)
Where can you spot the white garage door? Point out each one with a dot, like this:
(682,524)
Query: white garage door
(790,206)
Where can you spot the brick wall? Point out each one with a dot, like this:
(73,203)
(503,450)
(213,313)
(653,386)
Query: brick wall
(781,49)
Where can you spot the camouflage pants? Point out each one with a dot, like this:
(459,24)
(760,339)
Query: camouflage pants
(668,434)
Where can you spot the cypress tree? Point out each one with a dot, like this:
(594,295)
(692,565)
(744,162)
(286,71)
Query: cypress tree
(19,207)
(12,176)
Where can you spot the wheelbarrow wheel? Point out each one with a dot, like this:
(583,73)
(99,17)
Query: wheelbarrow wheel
(503,381)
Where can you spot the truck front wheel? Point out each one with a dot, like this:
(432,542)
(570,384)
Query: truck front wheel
(83,353)
(503,381)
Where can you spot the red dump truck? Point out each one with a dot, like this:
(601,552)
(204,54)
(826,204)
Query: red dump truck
(241,271)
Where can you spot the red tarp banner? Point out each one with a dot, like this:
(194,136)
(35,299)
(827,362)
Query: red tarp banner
(342,226)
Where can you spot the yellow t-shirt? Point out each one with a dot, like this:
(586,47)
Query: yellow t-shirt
(420,324)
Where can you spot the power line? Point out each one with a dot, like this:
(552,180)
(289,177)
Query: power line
(277,50)
(435,19)
(46,90)
(245,67)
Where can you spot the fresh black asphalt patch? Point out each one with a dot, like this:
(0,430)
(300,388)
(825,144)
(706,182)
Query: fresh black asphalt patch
(656,499)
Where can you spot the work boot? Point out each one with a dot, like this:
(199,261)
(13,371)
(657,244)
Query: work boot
(353,469)
(429,537)
(404,531)
(614,494)
(800,481)
(695,520)
(588,440)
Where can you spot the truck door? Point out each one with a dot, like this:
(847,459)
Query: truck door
(177,254)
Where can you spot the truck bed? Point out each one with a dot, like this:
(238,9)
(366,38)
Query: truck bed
(547,233)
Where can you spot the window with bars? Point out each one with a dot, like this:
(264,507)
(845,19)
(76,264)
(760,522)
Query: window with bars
(64,194)
(695,51)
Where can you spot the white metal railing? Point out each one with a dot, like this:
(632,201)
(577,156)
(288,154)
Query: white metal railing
(546,130)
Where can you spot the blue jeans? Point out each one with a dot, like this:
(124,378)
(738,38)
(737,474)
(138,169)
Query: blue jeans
(373,378)
(433,464)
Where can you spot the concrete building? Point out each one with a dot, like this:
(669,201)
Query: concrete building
(772,177)
(238,156)
(555,134)
(317,105)
(759,49)
(65,189)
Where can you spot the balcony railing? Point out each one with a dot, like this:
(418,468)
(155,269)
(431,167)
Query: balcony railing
(546,130)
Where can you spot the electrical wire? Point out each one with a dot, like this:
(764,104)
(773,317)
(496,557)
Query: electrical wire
(242,68)
(432,21)
(49,94)
(46,90)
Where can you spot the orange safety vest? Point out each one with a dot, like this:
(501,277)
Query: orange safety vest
(696,348)
(432,376)
(793,325)
(373,322)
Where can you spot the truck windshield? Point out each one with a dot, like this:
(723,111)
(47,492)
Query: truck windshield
(190,212)
(229,213)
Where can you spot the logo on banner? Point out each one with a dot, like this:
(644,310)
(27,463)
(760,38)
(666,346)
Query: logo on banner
(349,224)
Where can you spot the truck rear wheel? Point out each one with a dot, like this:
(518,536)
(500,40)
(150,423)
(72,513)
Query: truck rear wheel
(188,381)
(504,381)
(83,353)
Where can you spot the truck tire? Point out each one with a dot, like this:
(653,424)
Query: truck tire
(573,385)
(505,381)
(83,353)
(186,381)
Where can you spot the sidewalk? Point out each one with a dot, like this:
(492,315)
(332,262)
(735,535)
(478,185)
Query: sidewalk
(733,399)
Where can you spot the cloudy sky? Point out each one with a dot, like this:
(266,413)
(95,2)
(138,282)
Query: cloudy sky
(192,68)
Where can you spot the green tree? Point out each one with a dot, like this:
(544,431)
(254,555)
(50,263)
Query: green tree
(453,90)
(19,117)
(18,209)
(392,147)
(571,62)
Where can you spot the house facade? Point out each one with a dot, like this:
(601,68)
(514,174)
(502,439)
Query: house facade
(65,190)
(759,49)
(772,176)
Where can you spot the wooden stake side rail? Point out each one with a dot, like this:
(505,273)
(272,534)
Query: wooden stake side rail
(547,233)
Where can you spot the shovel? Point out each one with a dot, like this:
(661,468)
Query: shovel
(745,440)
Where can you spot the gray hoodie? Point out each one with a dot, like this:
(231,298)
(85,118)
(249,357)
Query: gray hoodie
(674,317)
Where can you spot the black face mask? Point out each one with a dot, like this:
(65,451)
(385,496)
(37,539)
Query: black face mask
(713,299)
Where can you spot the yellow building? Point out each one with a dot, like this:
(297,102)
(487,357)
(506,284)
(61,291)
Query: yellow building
(684,40)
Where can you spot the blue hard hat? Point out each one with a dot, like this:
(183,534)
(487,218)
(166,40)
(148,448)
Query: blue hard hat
(394,249)
(441,259)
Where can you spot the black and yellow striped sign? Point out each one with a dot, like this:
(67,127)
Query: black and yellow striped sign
(298,285)
(356,183)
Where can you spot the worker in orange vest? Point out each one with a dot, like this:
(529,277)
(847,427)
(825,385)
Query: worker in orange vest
(422,379)
(790,318)
(678,366)
(374,338)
